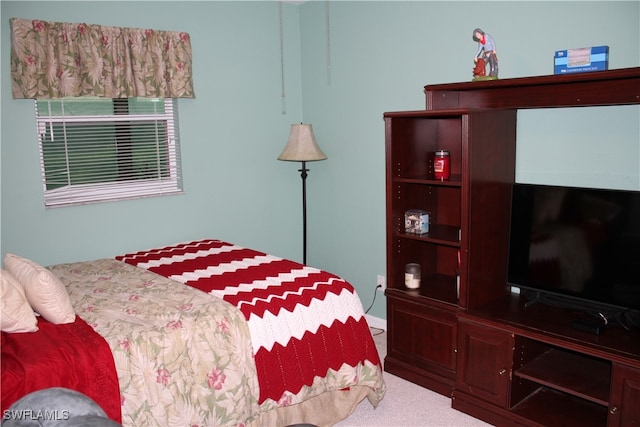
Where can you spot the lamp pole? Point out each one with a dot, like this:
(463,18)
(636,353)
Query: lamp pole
(303,175)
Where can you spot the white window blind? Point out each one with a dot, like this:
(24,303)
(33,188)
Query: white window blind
(99,149)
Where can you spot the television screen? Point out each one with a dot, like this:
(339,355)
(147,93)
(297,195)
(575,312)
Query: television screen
(576,242)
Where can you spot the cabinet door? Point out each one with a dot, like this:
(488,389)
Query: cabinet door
(423,338)
(624,401)
(485,358)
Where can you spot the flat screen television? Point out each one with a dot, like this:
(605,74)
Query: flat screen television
(580,246)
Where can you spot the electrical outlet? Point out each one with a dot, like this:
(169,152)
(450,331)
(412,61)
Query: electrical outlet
(381,284)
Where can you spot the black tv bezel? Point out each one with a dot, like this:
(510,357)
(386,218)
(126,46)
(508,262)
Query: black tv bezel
(551,297)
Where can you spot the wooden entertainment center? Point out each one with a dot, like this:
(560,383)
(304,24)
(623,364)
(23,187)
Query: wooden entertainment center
(463,333)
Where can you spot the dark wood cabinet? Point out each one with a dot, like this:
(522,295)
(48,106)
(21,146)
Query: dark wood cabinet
(515,366)
(466,211)
(614,87)
(624,403)
(462,332)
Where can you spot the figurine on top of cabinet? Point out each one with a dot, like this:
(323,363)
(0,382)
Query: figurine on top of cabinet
(486,53)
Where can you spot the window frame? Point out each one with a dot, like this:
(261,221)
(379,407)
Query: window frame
(110,189)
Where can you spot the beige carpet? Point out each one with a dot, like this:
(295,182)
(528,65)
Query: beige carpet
(407,404)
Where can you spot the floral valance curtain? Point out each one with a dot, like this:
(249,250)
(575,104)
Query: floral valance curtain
(57,59)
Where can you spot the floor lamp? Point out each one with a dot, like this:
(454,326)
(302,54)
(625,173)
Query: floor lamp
(302,147)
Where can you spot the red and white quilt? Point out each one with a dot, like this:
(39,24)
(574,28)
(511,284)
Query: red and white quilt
(303,322)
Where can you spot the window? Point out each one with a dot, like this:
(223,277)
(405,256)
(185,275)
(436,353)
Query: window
(100,149)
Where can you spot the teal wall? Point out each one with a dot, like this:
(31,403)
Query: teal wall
(376,57)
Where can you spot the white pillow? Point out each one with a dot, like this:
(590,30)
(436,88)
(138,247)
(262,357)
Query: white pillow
(16,315)
(45,292)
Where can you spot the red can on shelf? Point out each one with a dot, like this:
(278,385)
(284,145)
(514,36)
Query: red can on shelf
(442,165)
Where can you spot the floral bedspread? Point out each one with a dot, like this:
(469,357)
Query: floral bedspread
(183,357)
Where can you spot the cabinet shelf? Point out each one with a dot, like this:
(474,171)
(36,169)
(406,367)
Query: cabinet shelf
(439,234)
(438,288)
(572,373)
(539,408)
(454,181)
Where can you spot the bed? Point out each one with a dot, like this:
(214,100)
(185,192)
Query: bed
(210,333)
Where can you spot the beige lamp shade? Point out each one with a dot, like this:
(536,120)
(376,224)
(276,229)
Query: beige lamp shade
(302,145)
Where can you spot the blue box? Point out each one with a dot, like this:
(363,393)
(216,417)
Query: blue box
(581,60)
